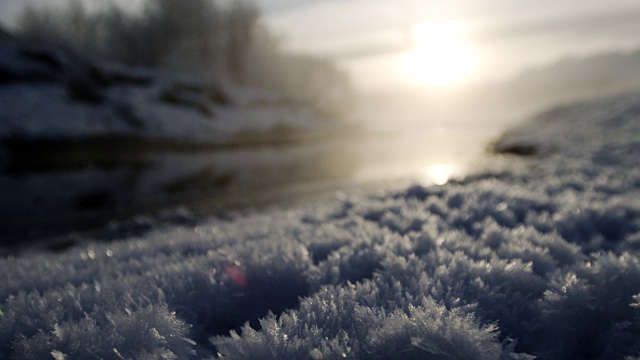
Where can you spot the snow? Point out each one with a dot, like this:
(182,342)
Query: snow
(41,111)
(47,93)
(505,264)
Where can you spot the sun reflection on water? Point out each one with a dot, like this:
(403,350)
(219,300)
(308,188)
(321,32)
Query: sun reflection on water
(439,174)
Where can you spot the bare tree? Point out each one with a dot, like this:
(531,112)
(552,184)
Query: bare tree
(218,38)
(241,23)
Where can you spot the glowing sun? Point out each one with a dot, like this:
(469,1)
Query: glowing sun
(440,57)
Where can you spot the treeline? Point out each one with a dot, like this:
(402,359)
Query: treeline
(220,39)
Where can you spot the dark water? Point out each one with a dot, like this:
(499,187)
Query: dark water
(89,189)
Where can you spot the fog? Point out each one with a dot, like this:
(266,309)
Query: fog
(507,38)
(491,62)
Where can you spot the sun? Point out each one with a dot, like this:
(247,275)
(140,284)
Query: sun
(440,57)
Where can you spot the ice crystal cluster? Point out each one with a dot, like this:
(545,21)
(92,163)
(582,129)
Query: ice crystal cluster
(511,264)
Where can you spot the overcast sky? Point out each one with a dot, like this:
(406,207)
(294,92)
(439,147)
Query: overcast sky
(506,36)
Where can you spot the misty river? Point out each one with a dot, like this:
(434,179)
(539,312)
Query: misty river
(84,191)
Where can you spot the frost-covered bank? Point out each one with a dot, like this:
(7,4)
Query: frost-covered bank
(503,265)
(51,96)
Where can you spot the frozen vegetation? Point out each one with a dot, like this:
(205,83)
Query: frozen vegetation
(507,264)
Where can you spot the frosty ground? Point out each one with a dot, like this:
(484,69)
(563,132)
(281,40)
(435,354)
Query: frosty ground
(511,264)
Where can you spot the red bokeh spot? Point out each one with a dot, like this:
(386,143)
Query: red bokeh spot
(237,275)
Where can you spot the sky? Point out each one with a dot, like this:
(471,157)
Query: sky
(441,44)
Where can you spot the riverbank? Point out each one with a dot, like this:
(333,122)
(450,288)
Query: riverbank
(541,261)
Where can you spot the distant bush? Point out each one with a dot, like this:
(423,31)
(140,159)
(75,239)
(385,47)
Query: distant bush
(219,39)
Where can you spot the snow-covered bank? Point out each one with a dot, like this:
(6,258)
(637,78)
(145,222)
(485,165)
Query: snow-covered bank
(50,94)
(501,265)
(82,138)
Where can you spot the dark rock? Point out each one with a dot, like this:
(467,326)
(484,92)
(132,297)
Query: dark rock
(51,59)
(219,96)
(516,149)
(16,67)
(174,95)
(81,87)
(127,112)
(116,75)
(211,91)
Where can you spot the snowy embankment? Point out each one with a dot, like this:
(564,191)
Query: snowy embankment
(48,95)
(502,265)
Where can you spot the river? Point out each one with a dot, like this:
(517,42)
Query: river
(88,194)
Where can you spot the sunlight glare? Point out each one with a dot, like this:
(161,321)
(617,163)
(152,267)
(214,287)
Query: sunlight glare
(439,174)
(440,57)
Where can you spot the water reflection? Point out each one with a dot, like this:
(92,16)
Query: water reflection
(84,189)
(41,196)
(440,174)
